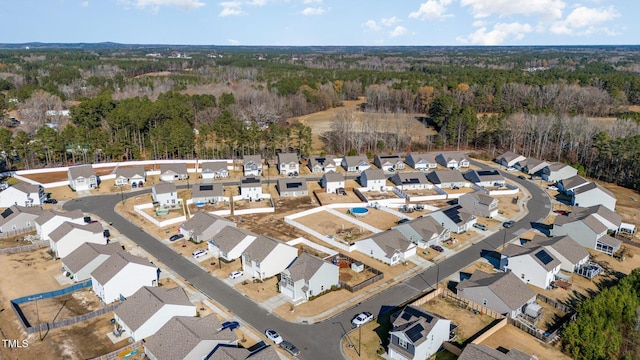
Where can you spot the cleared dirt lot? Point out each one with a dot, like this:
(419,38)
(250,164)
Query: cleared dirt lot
(328,224)
(510,337)
(332,198)
(379,219)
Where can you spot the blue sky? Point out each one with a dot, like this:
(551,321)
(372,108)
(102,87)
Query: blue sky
(323,22)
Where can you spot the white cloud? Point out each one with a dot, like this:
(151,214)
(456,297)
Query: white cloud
(258,2)
(389,21)
(84,4)
(548,9)
(231,8)
(479,23)
(432,10)
(497,36)
(312,2)
(156,4)
(313,11)
(233,42)
(371,25)
(398,31)
(583,20)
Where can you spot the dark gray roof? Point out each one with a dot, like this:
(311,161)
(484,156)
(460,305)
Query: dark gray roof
(374,174)
(445,176)
(392,241)
(322,161)
(85,171)
(86,253)
(333,177)
(148,300)
(129,172)
(261,247)
(483,175)
(265,353)
(201,221)
(207,189)
(512,250)
(229,237)
(26,187)
(292,184)
(180,335)
(564,245)
(534,164)
(48,215)
(483,352)
(164,187)
(352,161)
(66,227)
(15,210)
(115,264)
(305,266)
(576,180)
(177,168)
(457,214)
(286,158)
(227,352)
(505,285)
(415,323)
(215,165)
(250,181)
(409,178)
(426,226)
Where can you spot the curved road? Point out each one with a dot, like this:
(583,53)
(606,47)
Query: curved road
(320,340)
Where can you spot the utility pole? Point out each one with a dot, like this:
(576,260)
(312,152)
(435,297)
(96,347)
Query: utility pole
(360,340)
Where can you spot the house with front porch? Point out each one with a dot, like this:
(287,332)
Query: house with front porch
(230,242)
(373,180)
(82,178)
(415,180)
(479,204)
(252,165)
(131,175)
(356,163)
(320,164)
(203,226)
(288,163)
(455,218)
(214,169)
(424,231)
(453,160)
(173,172)
(22,194)
(532,265)
(422,161)
(388,163)
(308,276)
(416,334)
(267,257)
(332,181)
(391,247)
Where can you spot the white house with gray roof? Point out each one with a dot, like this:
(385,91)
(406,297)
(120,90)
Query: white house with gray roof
(424,232)
(207,193)
(69,236)
(332,181)
(266,257)
(202,226)
(589,227)
(532,265)
(422,161)
(388,163)
(501,292)
(23,194)
(483,352)
(453,160)
(593,194)
(87,257)
(509,159)
(82,178)
(130,175)
(146,311)
(485,178)
(251,188)
(252,165)
(308,276)
(19,219)
(446,179)
(569,185)
(173,172)
(415,180)
(320,164)
(479,204)
(455,218)
(571,254)
(50,220)
(189,338)
(557,171)
(356,163)
(292,187)
(532,166)
(165,194)
(391,247)
(373,180)
(230,242)
(214,169)
(121,275)
(288,163)
(416,334)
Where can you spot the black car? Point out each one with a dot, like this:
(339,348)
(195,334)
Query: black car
(290,348)
(176,237)
(508,224)
(522,177)
(50,201)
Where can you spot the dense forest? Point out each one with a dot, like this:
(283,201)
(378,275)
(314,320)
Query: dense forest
(572,104)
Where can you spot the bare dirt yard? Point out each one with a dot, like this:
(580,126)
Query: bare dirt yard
(506,207)
(259,291)
(379,195)
(333,198)
(510,337)
(379,219)
(467,321)
(328,224)
(271,225)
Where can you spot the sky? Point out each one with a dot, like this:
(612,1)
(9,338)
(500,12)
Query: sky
(323,22)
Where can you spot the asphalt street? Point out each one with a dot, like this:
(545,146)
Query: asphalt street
(320,340)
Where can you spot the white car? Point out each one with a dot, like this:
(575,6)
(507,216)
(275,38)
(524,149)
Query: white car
(361,319)
(511,168)
(273,336)
(551,187)
(236,274)
(199,253)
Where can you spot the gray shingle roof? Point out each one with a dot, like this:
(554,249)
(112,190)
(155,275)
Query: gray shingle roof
(115,264)
(457,214)
(454,155)
(374,174)
(508,156)
(381,160)
(409,178)
(512,250)
(505,285)
(250,181)
(229,237)
(304,267)
(15,210)
(180,335)
(256,159)
(228,352)
(576,180)
(481,198)
(261,247)
(214,165)
(322,161)
(592,186)
(392,241)
(601,210)
(85,171)
(48,215)
(429,158)
(564,245)
(426,226)
(148,300)
(26,187)
(164,187)
(333,177)
(265,353)
(483,352)
(445,176)
(611,241)
(352,161)
(557,166)
(207,190)
(413,317)
(130,172)
(201,221)
(86,253)
(292,184)
(483,175)
(177,168)
(286,158)
(65,228)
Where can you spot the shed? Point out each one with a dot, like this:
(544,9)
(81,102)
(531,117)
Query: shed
(357,266)
(532,310)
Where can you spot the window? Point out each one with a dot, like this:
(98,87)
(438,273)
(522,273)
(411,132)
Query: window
(28,223)
(402,343)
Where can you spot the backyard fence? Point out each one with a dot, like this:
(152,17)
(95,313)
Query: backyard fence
(122,352)
(530,329)
(34,246)
(556,304)
(378,275)
(73,320)
(10,233)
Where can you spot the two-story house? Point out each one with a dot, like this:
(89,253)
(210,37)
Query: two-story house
(121,275)
(69,236)
(203,226)
(252,165)
(454,218)
(479,204)
(308,276)
(416,334)
(82,178)
(391,247)
(288,163)
(266,257)
(373,180)
(230,242)
(22,194)
(424,231)
(332,181)
(251,188)
(165,194)
(532,265)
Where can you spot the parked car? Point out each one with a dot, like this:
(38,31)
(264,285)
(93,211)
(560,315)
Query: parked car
(482,227)
(50,201)
(522,177)
(236,274)
(511,168)
(199,253)
(437,248)
(106,233)
(551,187)
(402,221)
(134,185)
(290,348)
(455,187)
(361,319)
(508,224)
(176,237)
(231,325)
(560,212)
(273,336)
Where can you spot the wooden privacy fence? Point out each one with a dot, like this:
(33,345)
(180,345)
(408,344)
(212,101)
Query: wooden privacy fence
(73,320)
(556,304)
(378,275)
(17,249)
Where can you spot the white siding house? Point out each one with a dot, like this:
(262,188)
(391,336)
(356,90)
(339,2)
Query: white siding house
(593,194)
(69,236)
(208,193)
(373,180)
(19,219)
(447,179)
(391,247)
(50,220)
(230,242)
(130,176)
(165,194)
(422,162)
(485,178)
(535,266)
(288,163)
(455,218)
(557,171)
(292,187)
(356,163)
(121,276)
(570,254)
(86,258)
(416,334)
(22,194)
(424,231)
(509,159)
(251,188)
(203,226)
(453,160)
(332,181)
(479,204)
(214,169)
(319,164)
(173,172)
(266,257)
(415,180)
(308,276)
(252,165)
(388,163)
(82,178)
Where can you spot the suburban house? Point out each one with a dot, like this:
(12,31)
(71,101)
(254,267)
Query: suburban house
(214,169)
(422,161)
(453,160)
(454,218)
(230,242)
(356,163)
(292,187)
(557,171)
(485,178)
(19,219)
(391,247)
(69,236)
(447,179)
(478,351)
(509,159)
(532,166)
(424,231)
(501,292)
(23,194)
(332,181)
(568,185)
(252,165)
(81,262)
(172,172)
(121,275)
(288,163)
(207,193)
(266,257)
(150,308)
(82,178)
(590,227)
(479,204)
(50,220)
(373,180)
(202,226)
(388,163)
(251,188)
(571,254)
(593,194)
(130,176)
(318,164)
(416,334)
(308,276)
(415,180)
(165,194)
(532,265)
(190,338)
